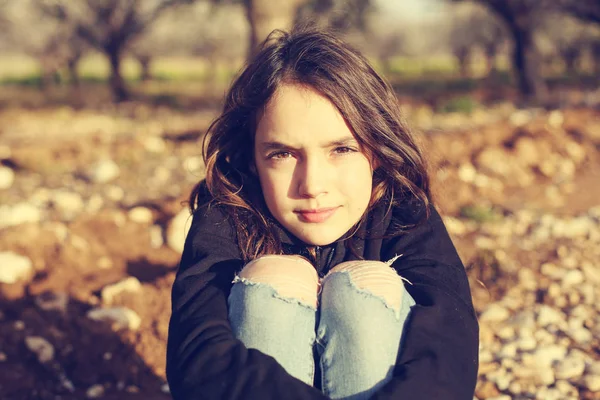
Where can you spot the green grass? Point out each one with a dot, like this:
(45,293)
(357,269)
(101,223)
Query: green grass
(480,213)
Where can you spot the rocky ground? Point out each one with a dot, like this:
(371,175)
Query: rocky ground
(93,217)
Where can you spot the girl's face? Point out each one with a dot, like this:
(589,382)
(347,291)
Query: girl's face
(315,179)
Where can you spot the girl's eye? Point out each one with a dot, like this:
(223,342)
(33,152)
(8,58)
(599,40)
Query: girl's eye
(343,150)
(279,155)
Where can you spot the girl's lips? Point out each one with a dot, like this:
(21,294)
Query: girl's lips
(316,216)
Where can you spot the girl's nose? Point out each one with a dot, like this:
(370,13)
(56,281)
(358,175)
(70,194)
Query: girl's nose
(313,179)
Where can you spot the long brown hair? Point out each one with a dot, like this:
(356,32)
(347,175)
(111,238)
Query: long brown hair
(320,60)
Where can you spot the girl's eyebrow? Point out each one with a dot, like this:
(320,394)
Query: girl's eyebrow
(349,140)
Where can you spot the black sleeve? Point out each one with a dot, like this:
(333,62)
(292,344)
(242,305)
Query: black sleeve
(439,355)
(204,359)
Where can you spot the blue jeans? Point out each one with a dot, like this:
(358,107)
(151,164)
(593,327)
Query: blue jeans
(353,336)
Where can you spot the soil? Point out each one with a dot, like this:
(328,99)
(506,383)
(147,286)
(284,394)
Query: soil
(103,247)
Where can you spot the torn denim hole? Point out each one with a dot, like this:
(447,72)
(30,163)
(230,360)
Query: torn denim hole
(368,293)
(274,293)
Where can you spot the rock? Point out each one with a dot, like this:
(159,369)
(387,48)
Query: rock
(115,193)
(467,172)
(177,230)
(546,355)
(494,313)
(592,382)
(7,177)
(69,204)
(104,171)
(556,119)
(19,213)
(154,144)
(50,301)
(573,278)
(156,237)
(520,118)
(14,267)
(548,315)
(41,347)
(570,368)
(193,164)
(94,204)
(165,388)
(95,391)
(526,151)
(130,284)
(567,389)
(104,263)
(495,160)
(120,317)
(141,215)
(455,226)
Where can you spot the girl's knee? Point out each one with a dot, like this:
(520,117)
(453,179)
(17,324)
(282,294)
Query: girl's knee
(290,276)
(376,277)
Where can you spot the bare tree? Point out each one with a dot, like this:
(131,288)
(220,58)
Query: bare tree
(519,17)
(109,25)
(53,44)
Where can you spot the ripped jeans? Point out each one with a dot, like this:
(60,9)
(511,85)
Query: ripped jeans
(345,342)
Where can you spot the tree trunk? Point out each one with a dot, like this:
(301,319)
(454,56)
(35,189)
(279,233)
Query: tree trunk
(265,15)
(72,67)
(117,84)
(145,62)
(462,56)
(490,60)
(526,62)
(570,57)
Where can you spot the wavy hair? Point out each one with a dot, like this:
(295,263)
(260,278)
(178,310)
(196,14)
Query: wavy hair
(320,60)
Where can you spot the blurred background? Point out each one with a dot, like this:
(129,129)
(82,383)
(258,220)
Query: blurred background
(103,107)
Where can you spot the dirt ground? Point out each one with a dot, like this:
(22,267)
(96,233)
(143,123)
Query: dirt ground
(533,160)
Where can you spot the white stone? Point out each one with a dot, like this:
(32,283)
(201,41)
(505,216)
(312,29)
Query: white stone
(95,391)
(177,230)
(154,144)
(94,204)
(7,177)
(501,397)
(14,267)
(69,204)
(570,368)
(19,213)
(581,335)
(592,382)
(156,237)
(556,119)
(131,284)
(527,343)
(165,388)
(141,215)
(546,355)
(120,317)
(548,315)
(495,313)
(104,171)
(193,164)
(572,278)
(115,193)
(41,347)
(566,389)
(467,172)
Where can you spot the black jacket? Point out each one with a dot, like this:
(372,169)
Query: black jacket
(440,349)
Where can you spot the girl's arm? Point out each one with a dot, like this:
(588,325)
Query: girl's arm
(439,356)
(204,359)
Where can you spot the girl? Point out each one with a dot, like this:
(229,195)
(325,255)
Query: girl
(316,265)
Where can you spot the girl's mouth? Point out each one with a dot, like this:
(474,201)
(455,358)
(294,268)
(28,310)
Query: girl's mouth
(316,216)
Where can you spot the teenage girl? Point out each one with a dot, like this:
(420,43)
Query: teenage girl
(316,265)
